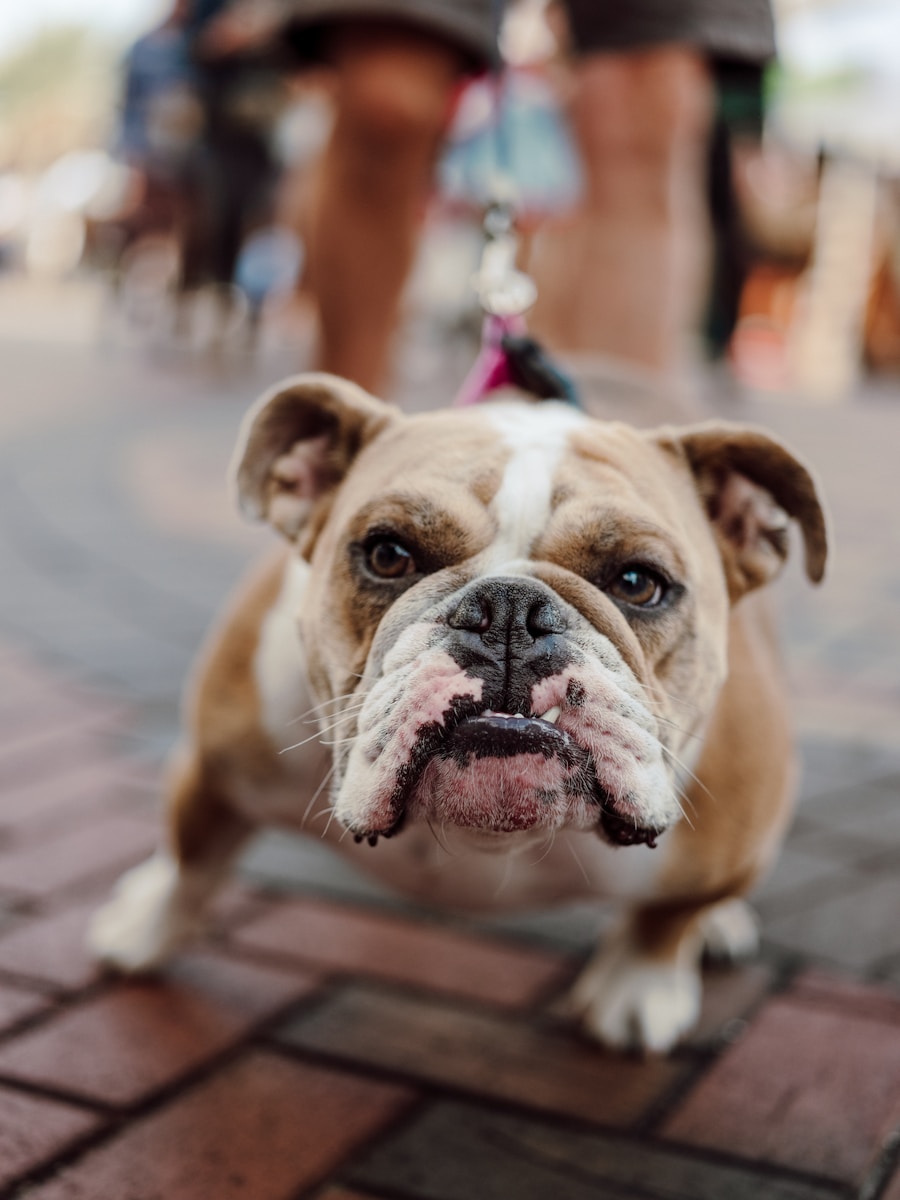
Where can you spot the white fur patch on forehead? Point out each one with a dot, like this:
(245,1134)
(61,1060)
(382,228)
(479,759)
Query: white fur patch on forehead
(537,437)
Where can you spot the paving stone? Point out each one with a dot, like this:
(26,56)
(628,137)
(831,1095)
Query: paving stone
(33,1130)
(574,929)
(35,700)
(457,1151)
(75,855)
(892,1191)
(349,940)
(796,869)
(853,927)
(493,1055)
(27,707)
(47,753)
(843,993)
(264,1129)
(50,804)
(888,970)
(137,1037)
(51,948)
(851,847)
(235,904)
(342,1193)
(290,862)
(17,1003)
(831,765)
(729,995)
(809,1087)
(869,809)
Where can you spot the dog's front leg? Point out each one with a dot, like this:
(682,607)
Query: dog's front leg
(161,904)
(642,989)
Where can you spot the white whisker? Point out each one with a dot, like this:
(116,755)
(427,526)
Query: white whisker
(578,863)
(504,878)
(687,770)
(551,841)
(325,779)
(318,735)
(318,708)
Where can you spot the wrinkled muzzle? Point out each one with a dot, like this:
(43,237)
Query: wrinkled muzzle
(502,709)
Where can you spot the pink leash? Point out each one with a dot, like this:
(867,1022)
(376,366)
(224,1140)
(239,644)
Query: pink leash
(492,368)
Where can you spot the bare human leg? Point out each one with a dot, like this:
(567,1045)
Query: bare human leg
(624,275)
(394,87)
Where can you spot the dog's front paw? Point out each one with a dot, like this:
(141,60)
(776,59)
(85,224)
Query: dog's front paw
(634,1003)
(730,931)
(145,920)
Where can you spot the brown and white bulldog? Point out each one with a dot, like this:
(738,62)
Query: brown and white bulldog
(533,669)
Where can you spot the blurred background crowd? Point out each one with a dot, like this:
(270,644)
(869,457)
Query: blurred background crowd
(167,155)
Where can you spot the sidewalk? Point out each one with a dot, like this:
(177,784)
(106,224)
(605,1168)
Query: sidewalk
(326,1041)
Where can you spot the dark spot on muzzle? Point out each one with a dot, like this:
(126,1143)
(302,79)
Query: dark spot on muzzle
(622,832)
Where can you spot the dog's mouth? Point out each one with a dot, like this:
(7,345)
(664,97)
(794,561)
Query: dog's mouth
(474,740)
(501,735)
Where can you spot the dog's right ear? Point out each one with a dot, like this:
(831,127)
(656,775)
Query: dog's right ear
(297,443)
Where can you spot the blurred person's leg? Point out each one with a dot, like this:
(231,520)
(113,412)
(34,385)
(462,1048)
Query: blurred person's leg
(394,87)
(626,275)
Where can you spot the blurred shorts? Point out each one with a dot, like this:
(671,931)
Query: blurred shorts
(739,30)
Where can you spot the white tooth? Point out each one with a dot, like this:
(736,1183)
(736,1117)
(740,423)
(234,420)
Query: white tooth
(552,714)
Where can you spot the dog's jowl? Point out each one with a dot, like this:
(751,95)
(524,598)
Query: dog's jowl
(523,640)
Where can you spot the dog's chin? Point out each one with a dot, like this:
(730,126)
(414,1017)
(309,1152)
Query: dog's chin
(502,774)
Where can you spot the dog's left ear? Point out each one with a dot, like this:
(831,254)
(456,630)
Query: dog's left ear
(751,485)
(297,443)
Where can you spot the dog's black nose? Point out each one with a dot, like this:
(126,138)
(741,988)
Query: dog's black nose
(508,611)
(508,631)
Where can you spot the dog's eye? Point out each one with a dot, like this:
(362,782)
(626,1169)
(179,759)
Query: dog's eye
(638,586)
(389,559)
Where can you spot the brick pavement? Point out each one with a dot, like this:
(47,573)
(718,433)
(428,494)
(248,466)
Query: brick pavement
(324,1041)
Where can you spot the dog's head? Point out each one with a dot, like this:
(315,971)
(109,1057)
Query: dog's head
(521,611)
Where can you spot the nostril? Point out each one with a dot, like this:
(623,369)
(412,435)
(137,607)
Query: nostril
(474,614)
(544,618)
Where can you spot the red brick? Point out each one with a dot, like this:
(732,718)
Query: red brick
(50,948)
(842,993)
(236,903)
(491,1054)
(49,753)
(70,797)
(264,1129)
(33,1131)
(137,1037)
(33,703)
(16,1004)
(809,1087)
(103,845)
(36,706)
(344,939)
